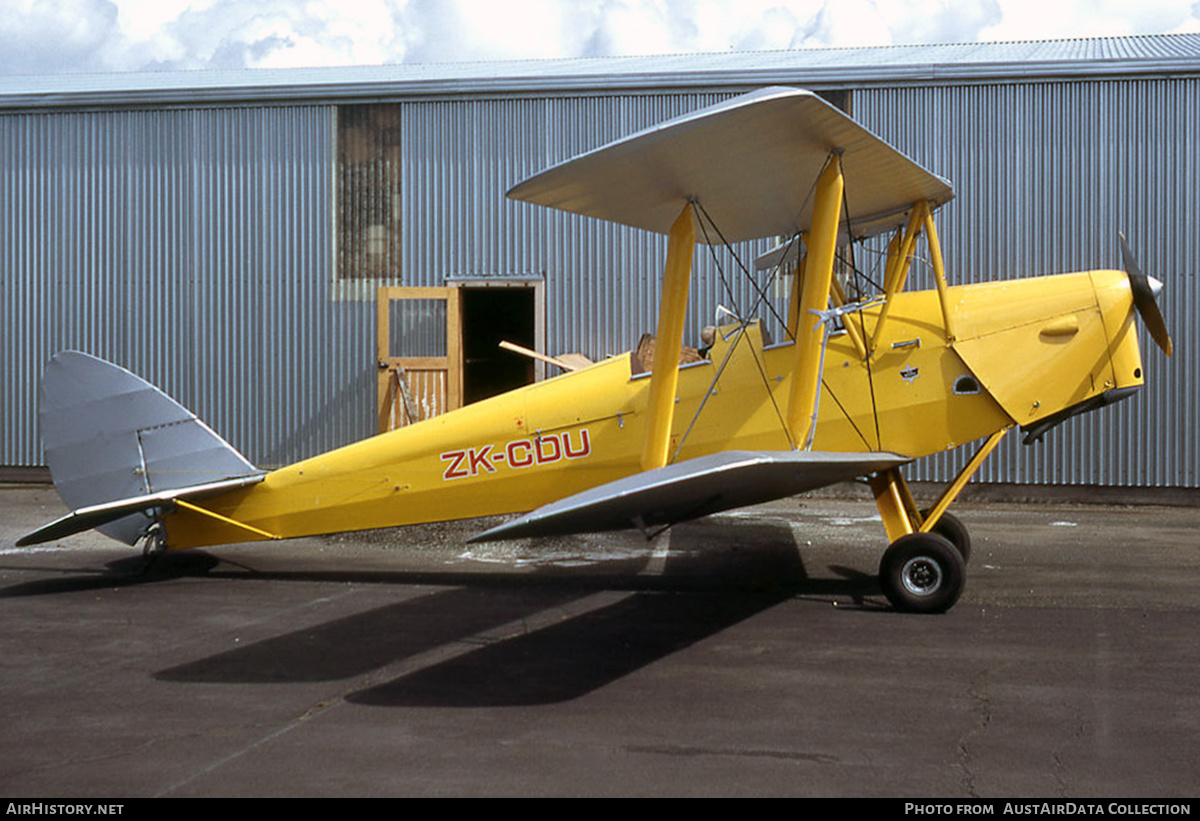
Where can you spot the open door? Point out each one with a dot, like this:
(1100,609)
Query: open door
(495,310)
(439,348)
(425,324)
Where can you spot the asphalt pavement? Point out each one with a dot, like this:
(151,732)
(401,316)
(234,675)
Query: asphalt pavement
(749,654)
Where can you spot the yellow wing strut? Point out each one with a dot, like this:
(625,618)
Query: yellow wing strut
(664,373)
(939,273)
(899,256)
(818,272)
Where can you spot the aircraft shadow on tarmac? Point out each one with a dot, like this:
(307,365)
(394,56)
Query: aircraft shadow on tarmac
(714,577)
(716,574)
(124,572)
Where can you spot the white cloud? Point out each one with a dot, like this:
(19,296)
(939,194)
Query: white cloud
(1039,20)
(51,36)
(274,33)
(48,36)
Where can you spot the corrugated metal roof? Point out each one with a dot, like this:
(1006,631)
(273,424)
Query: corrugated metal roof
(815,68)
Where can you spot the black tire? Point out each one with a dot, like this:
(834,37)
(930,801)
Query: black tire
(922,573)
(951,528)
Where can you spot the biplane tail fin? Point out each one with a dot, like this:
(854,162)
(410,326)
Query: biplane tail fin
(119,450)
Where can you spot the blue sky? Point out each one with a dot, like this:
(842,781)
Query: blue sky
(57,36)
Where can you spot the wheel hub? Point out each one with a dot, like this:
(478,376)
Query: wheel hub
(921,576)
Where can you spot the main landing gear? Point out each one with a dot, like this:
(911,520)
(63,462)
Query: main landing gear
(924,570)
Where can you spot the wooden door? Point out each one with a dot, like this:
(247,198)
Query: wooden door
(416,387)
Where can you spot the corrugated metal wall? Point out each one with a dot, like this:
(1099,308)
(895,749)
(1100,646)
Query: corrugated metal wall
(1047,174)
(460,157)
(196,247)
(193,247)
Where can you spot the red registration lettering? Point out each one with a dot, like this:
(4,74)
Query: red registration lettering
(454,470)
(525,447)
(479,459)
(585,445)
(553,454)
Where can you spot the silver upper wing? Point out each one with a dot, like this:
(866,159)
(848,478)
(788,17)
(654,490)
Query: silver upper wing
(751,161)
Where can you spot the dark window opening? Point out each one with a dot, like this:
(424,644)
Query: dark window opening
(368,191)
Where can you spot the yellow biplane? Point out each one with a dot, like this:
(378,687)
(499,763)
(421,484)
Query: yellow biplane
(864,382)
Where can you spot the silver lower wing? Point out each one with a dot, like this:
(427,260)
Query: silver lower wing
(691,489)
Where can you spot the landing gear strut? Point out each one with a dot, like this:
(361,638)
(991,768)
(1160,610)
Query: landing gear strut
(924,570)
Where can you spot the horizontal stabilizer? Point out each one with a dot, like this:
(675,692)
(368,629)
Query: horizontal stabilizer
(691,489)
(87,518)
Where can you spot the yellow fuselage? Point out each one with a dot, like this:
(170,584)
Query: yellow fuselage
(1024,349)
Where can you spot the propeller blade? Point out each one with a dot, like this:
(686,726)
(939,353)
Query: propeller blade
(1143,299)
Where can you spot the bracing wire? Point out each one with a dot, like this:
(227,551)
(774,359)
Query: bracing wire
(862,322)
(740,334)
(762,298)
(699,209)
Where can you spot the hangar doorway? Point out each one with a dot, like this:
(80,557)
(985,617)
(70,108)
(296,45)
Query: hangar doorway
(491,315)
(439,348)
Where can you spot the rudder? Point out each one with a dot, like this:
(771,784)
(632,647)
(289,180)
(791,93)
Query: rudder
(111,435)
